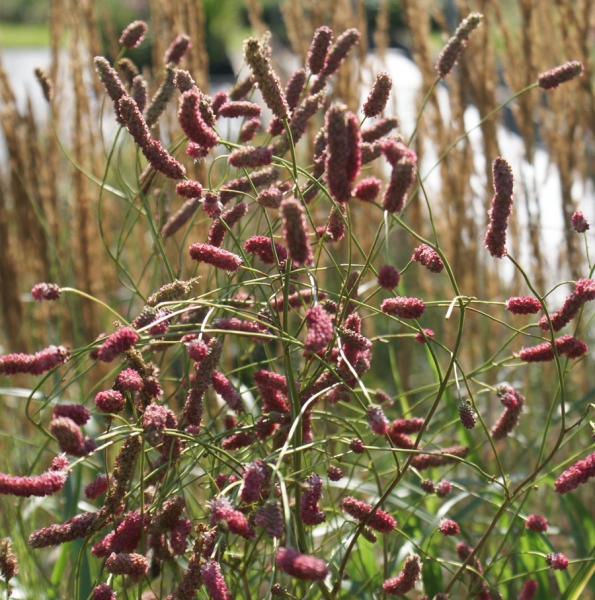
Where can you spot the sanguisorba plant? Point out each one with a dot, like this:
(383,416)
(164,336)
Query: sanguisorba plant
(244,454)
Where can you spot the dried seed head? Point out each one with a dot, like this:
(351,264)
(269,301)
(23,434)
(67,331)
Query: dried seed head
(47,86)
(579,223)
(467,416)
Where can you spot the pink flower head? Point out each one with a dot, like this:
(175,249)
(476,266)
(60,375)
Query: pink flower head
(113,86)
(579,473)
(230,395)
(245,110)
(388,277)
(60,463)
(301,566)
(262,247)
(69,436)
(451,53)
(110,401)
(134,34)
(294,88)
(192,123)
(219,99)
(378,97)
(339,50)
(217,257)
(379,129)
(222,510)
(77,527)
(334,473)
(429,258)
(404,308)
(179,536)
(448,527)
(269,379)
(536,523)
(225,222)
(45,291)
(213,580)
(407,425)
(295,232)
(317,53)
(427,486)
(551,79)
(270,198)
(422,338)
(404,171)
(584,291)
(343,152)
(270,517)
(254,476)
(196,151)
(122,340)
(467,416)
(523,305)
(103,592)
(240,325)
(177,49)
(509,419)
(189,189)
(405,581)
(570,346)
(557,561)
(379,521)
(529,590)
(212,205)
(495,238)
(310,512)
(134,565)
(97,487)
(34,364)
(377,420)
(356,445)
(46,484)
(249,130)
(335,227)
(443,488)
(250,157)
(320,329)
(129,380)
(367,189)
(242,439)
(579,223)
(78,413)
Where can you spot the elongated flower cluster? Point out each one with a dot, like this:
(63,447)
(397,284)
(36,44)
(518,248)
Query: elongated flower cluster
(301,566)
(377,420)
(250,157)
(192,123)
(584,291)
(339,51)
(97,487)
(367,189)
(161,98)
(177,49)
(254,477)
(467,416)
(8,561)
(257,179)
(46,484)
(404,308)
(579,473)
(495,238)
(513,403)
(78,413)
(249,130)
(310,512)
(213,580)
(529,589)
(454,48)
(262,247)
(566,345)
(225,222)
(379,129)
(217,257)
(377,99)
(379,521)
(404,170)
(343,153)
(523,305)
(270,517)
(134,565)
(317,53)
(77,527)
(268,82)
(551,79)
(447,456)
(133,35)
(122,340)
(405,581)
(295,232)
(34,364)
(429,258)
(320,329)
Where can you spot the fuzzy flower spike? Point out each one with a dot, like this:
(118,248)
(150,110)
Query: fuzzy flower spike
(495,238)
(451,53)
